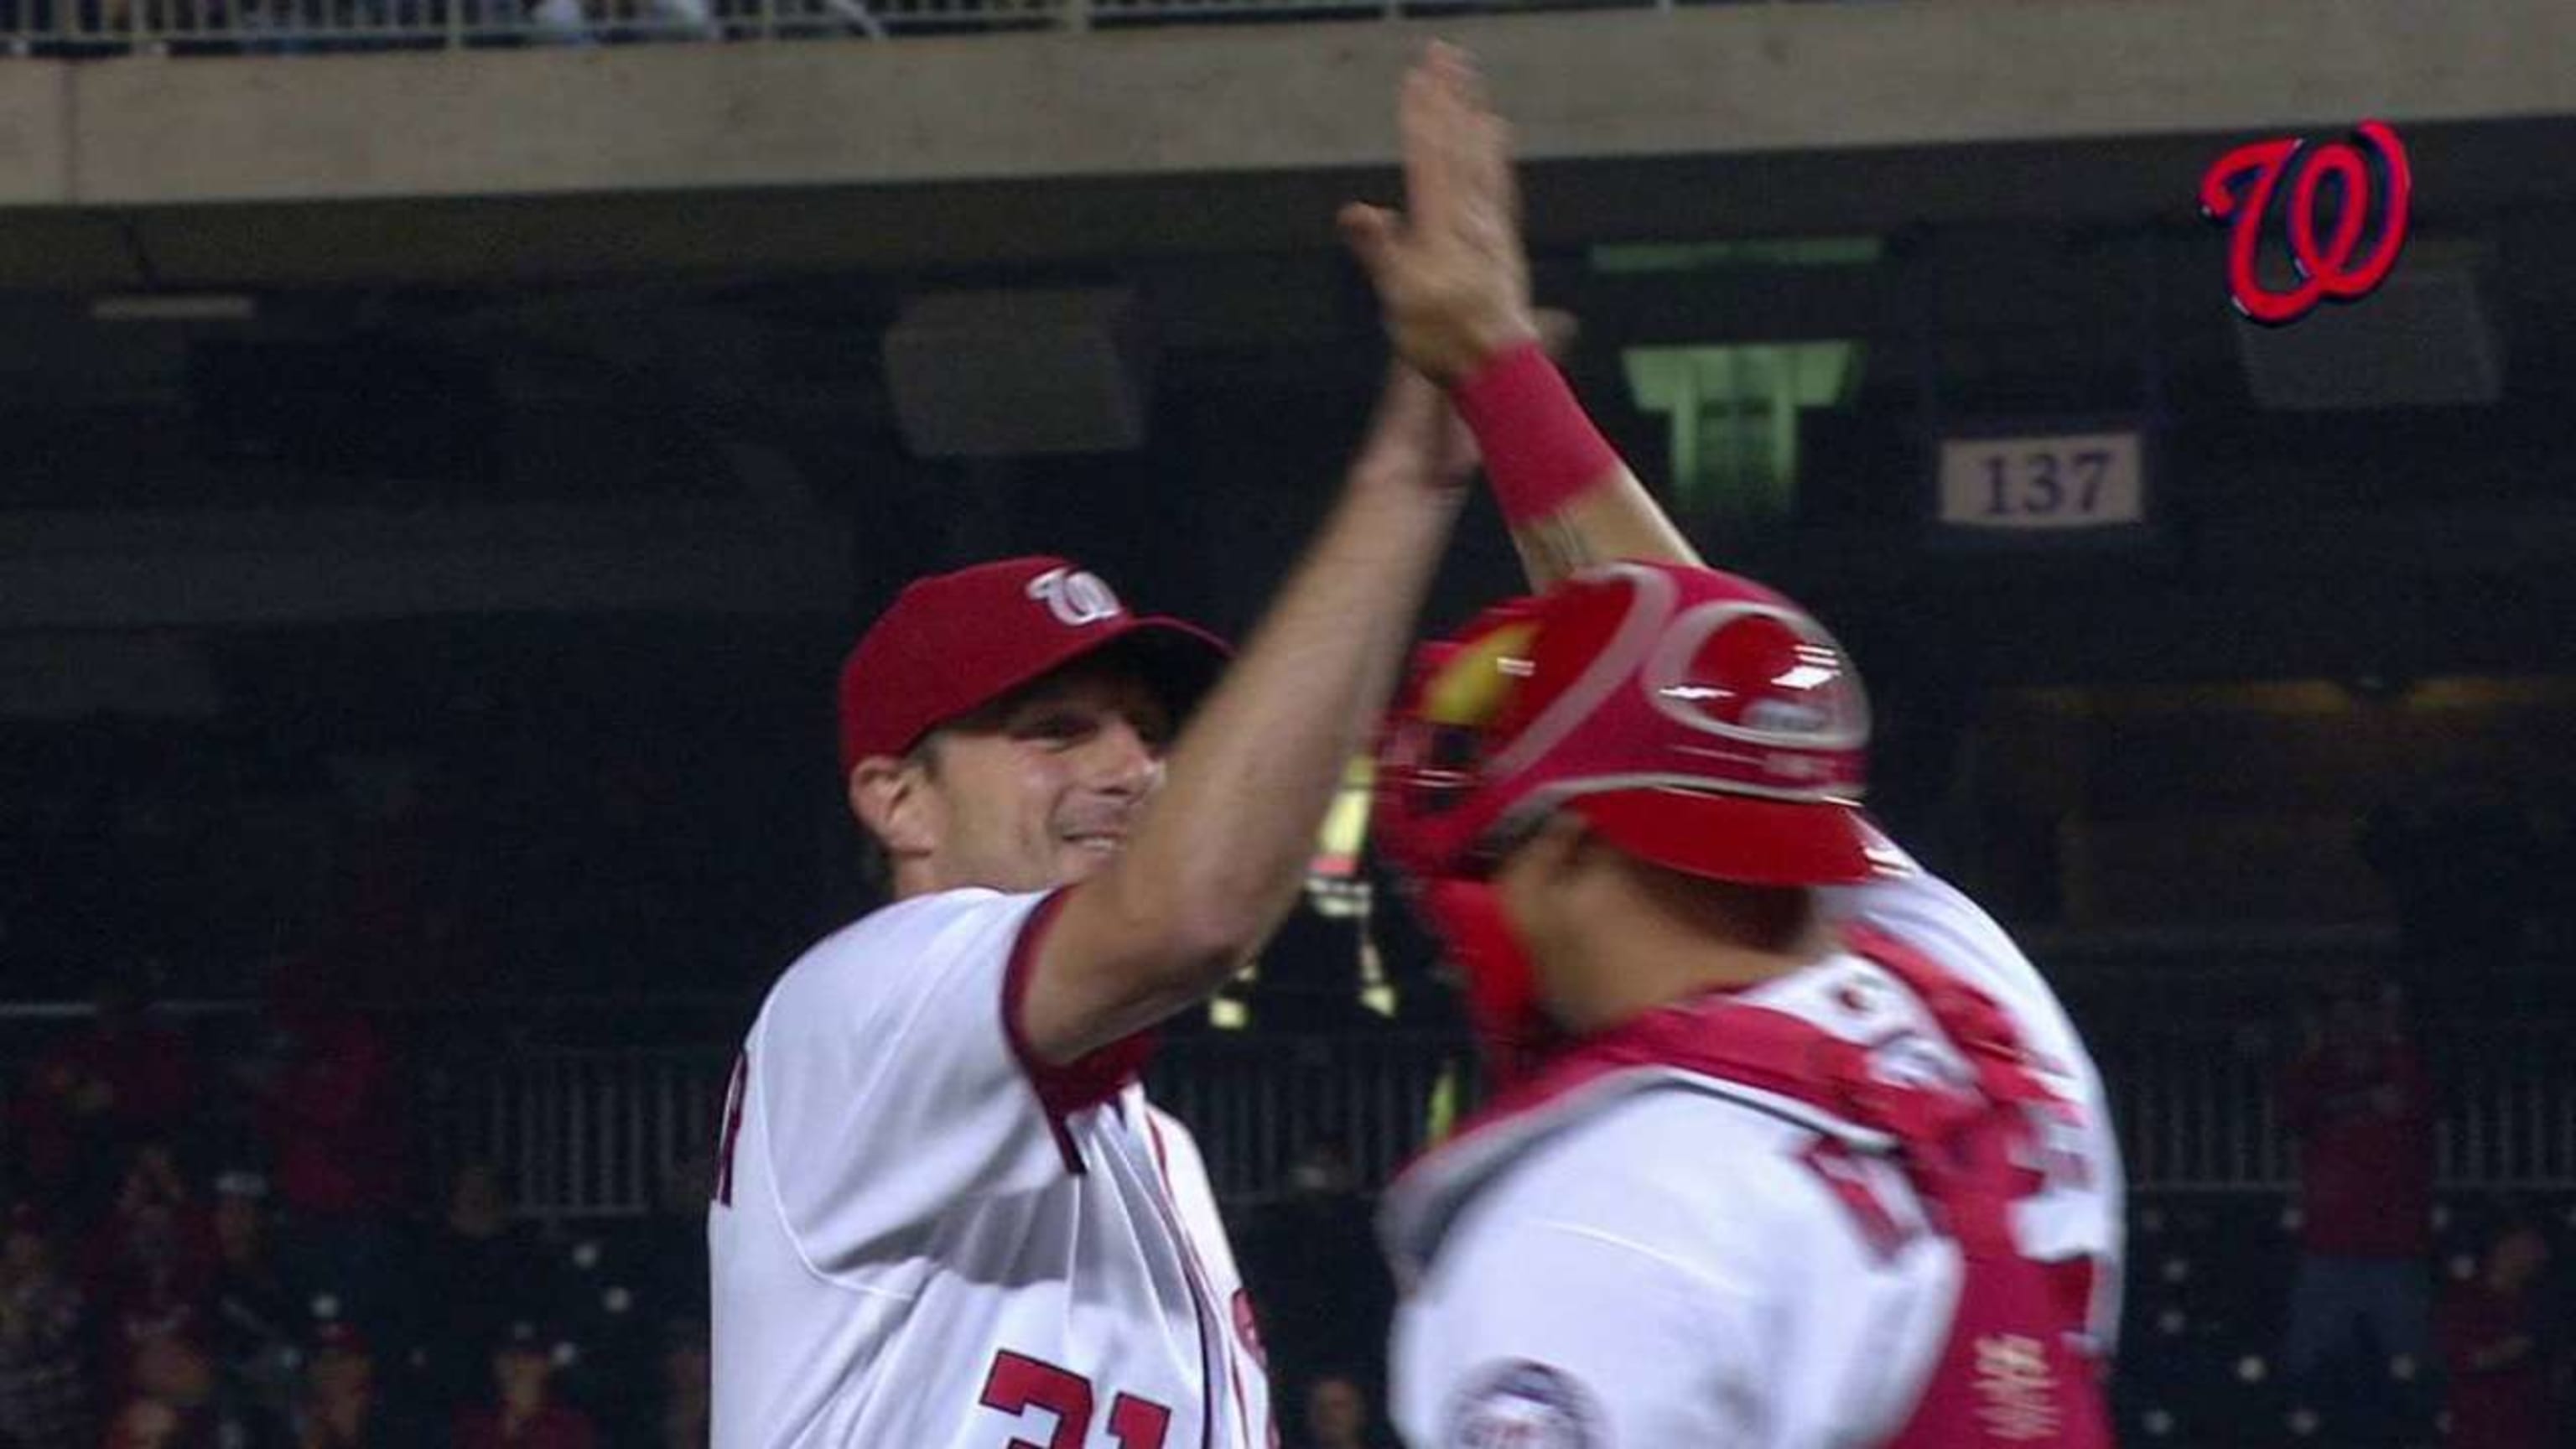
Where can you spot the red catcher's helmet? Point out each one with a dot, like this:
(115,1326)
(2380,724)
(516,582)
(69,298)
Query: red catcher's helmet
(1694,719)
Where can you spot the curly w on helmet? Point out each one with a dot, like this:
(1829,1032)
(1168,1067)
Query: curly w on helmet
(1693,720)
(1696,719)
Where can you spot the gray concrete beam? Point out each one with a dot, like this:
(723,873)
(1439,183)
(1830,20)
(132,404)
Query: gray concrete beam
(1233,100)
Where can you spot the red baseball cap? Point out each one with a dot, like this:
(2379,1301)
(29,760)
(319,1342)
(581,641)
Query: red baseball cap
(955,642)
(1696,719)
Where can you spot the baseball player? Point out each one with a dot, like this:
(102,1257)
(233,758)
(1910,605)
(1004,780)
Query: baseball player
(945,1215)
(1793,1147)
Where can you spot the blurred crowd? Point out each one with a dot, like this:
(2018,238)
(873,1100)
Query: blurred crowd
(234,1250)
(222,1229)
(227,1236)
(2388,1337)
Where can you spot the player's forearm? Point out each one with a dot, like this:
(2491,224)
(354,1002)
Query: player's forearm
(1235,825)
(1218,859)
(1570,501)
(1615,518)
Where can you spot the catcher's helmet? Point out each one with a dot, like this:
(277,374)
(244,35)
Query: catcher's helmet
(1694,719)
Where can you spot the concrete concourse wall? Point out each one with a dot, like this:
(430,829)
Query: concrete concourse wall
(1275,98)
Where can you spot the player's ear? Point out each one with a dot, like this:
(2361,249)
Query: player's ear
(1564,841)
(1545,856)
(889,795)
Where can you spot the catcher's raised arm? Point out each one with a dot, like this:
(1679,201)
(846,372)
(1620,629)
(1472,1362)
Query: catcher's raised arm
(1452,274)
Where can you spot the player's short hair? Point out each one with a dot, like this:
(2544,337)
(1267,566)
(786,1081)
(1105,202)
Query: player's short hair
(1766,917)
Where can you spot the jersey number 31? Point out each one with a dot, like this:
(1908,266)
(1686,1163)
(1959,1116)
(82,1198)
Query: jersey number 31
(1019,1383)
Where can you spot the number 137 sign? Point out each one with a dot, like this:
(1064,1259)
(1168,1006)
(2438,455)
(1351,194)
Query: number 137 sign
(2042,482)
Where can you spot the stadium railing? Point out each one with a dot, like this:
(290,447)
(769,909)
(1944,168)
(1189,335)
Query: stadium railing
(596,1132)
(100,27)
(599,1130)
(585,1132)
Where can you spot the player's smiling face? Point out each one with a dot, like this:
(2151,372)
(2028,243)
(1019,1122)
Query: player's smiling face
(1041,789)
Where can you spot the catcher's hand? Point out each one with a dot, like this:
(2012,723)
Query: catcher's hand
(1450,270)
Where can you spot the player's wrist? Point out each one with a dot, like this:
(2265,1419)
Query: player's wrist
(1492,339)
(1540,447)
(1406,443)
(1450,350)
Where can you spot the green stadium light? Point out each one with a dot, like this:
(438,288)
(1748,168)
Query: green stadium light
(1733,412)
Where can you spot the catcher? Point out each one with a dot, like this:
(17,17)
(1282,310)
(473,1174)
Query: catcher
(1791,1145)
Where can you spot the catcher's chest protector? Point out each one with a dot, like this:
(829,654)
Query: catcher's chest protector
(2019,1367)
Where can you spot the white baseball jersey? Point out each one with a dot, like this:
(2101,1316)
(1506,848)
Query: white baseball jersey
(924,1239)
(1643,1249)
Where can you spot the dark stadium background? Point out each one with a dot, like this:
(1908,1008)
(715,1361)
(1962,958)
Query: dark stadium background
(443,471)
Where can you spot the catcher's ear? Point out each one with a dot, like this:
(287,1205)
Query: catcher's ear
(891,798)
(1566,839)
(1551,848)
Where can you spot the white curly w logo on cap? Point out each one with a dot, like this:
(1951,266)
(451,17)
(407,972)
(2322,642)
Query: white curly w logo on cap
(1075,596)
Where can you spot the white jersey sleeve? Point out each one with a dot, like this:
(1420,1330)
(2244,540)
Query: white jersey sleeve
(1648,1277)
(1934,917)
(2079,1211)
(890,1078)
(924,1237)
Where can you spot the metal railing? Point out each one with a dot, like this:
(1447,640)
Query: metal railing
(101,27)
(579,1132)
(2196,1110)
(598,1131)
(593,1132)
(1255,1104)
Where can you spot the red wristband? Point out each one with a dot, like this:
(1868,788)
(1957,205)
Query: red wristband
(1540,447)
